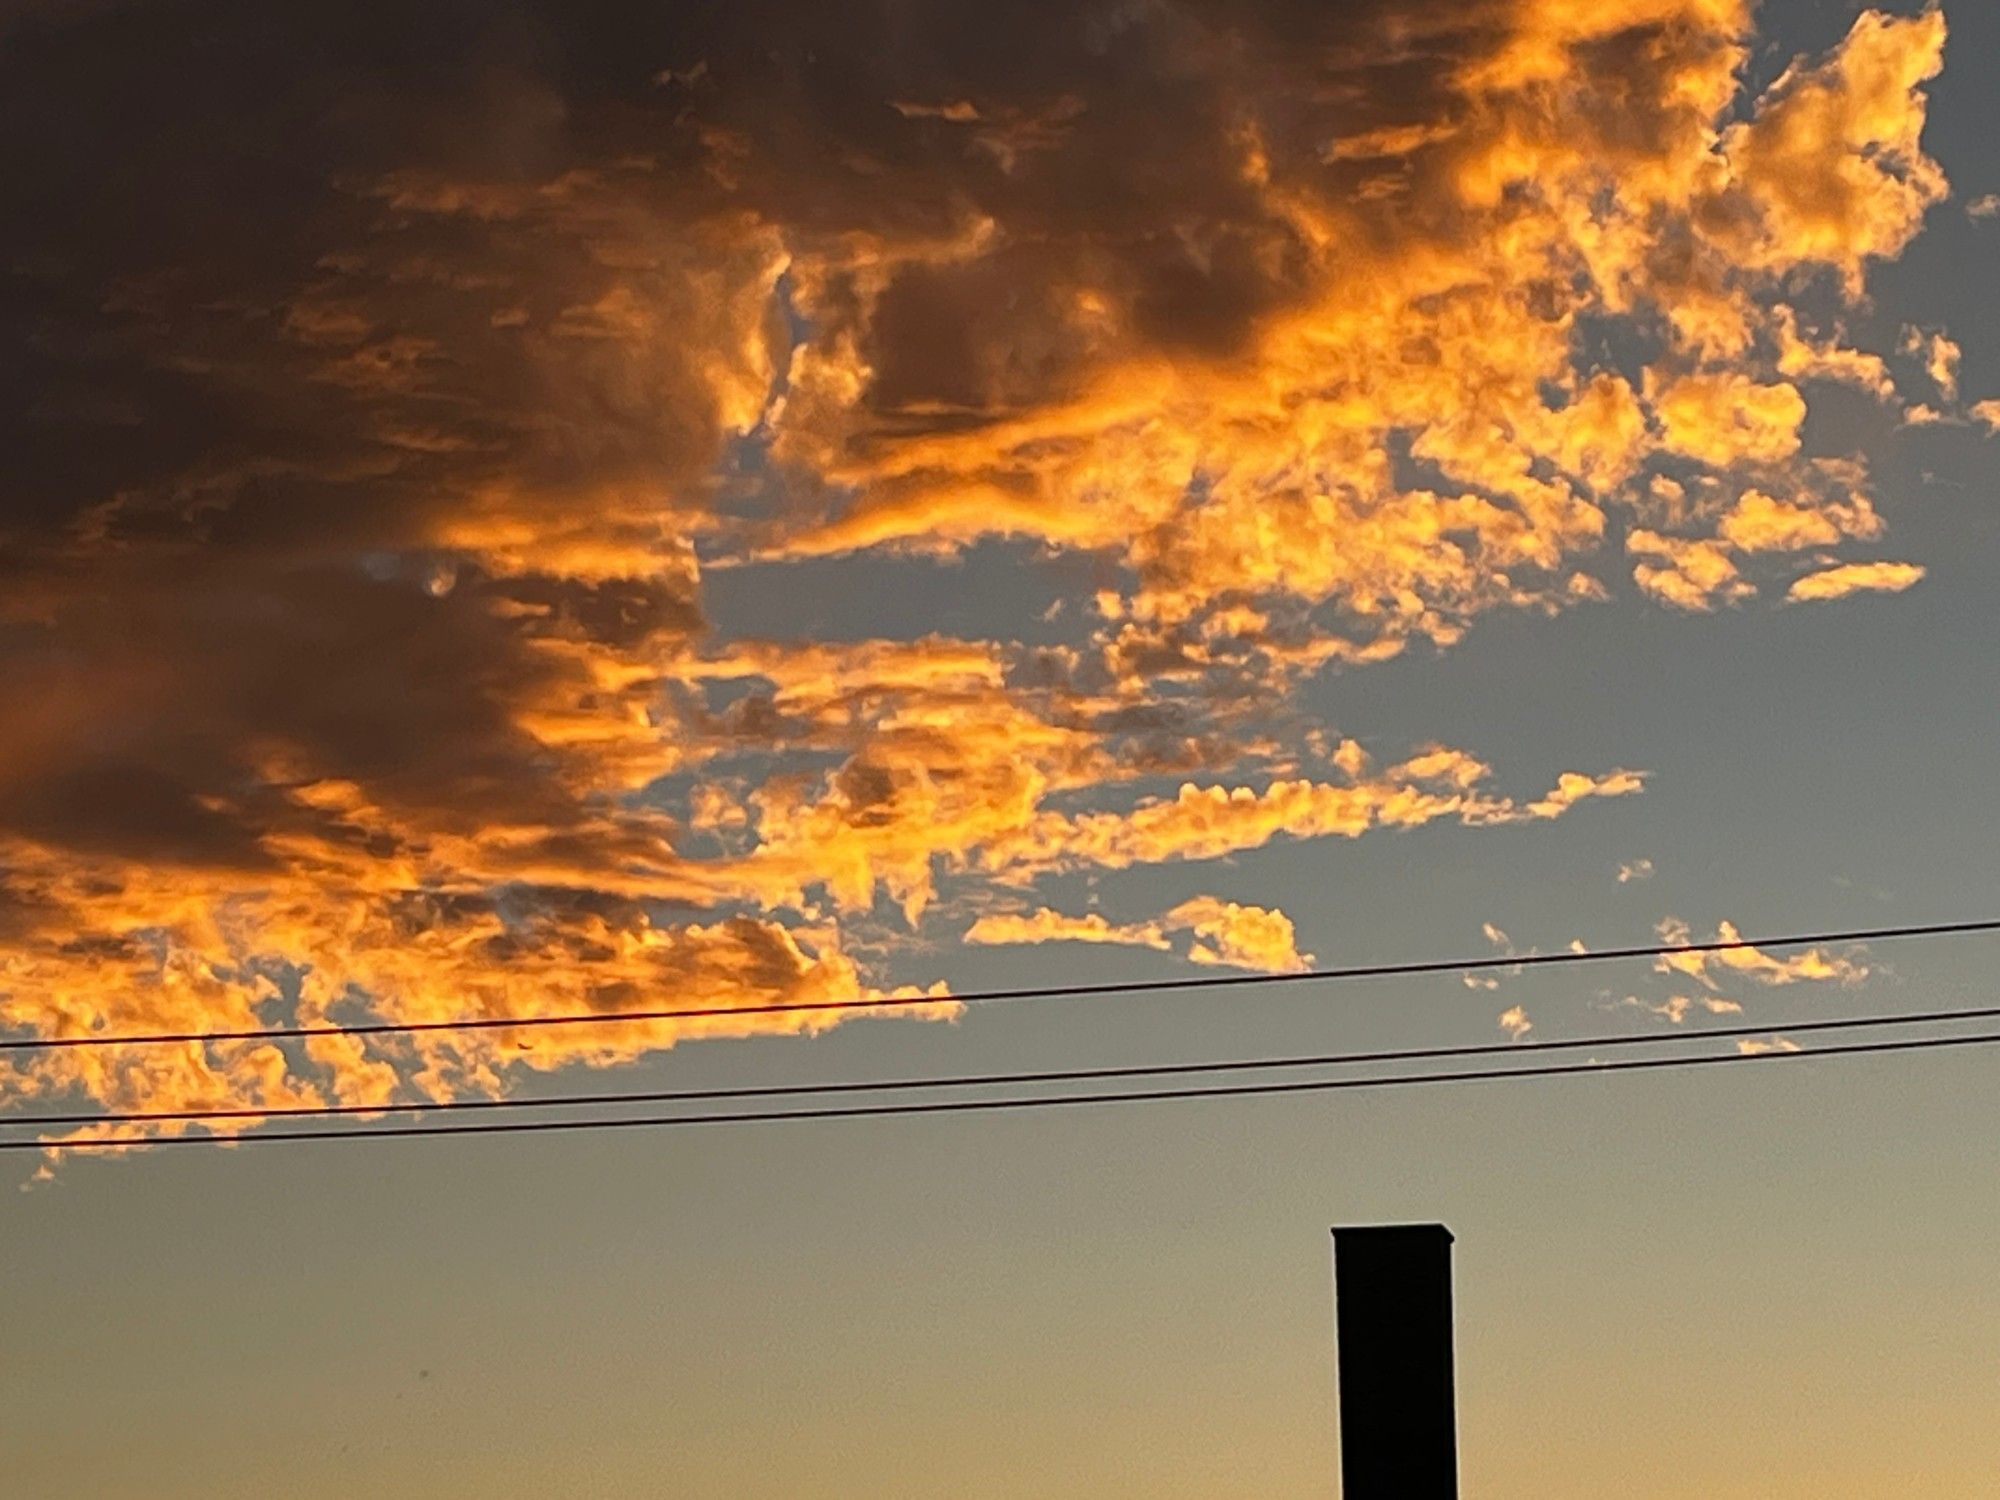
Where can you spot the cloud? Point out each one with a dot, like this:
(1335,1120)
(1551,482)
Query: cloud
(1752,962)
(1987,413)
(1941,364)
(1729,418)
(1207,822)
(1247,937)
(1729,966)
(1572,787)
(1985,206)
(1759,523)
(1045,926)
(1689,574)
(1830,162)
(1856,578)
(1675,1009)
(1803,357)
(433,577)
(1698,573)
(1940,356)
(1635,869)
(1753,1046)
(1223,932)
(1514,1021)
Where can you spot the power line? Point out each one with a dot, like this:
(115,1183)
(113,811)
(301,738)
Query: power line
(969,1106)
(979,997)
(1006,1080)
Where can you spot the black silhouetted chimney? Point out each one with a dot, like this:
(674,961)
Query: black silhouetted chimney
(1392,1309)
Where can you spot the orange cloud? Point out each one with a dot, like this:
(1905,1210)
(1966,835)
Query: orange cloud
(1114,457)
(1676,1008)
(1246,937)
(1223,932)
(1856,578)
(1725,419)
(1801,357)
(1831,162)
(1754,1046)
(1209,822)
(1045,926)
(1690,574)
(1572,787)
(1940,356)
(1759,523)
(1752,962)
(422,605)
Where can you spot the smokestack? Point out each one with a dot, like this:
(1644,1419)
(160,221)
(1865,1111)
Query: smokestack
(1398,1416)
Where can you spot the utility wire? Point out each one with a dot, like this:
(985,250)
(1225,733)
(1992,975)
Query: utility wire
(968,1106)
(1030,992)
(1006,1080)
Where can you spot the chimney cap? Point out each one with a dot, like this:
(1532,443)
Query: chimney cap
(1390,1231)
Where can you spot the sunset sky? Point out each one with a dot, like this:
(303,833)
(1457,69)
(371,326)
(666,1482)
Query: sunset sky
(525,509)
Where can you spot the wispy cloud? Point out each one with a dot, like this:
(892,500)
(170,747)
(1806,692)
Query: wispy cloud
(1857,578)
(1220,932)
(1753,1046)
(1752,962)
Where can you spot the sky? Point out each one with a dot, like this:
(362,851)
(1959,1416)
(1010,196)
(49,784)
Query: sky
(517,510)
